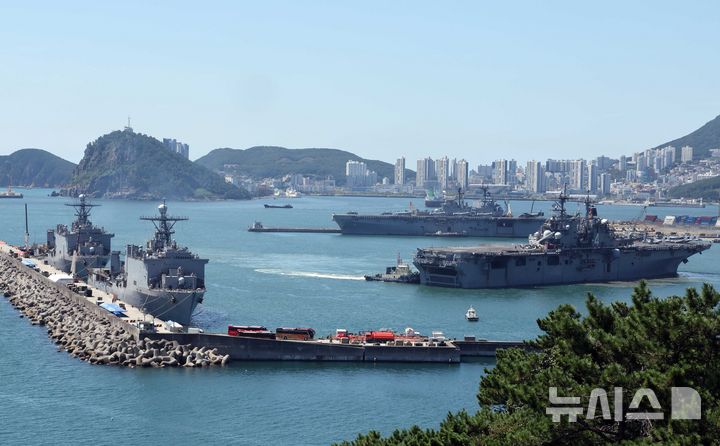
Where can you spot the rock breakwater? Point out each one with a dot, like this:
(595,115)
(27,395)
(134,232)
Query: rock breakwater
(92,335)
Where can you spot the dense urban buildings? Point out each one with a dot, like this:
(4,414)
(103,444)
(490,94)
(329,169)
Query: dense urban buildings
(641,176)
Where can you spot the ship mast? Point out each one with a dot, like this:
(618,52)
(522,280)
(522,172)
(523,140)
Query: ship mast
(82,211)
(164,224)
(562,199)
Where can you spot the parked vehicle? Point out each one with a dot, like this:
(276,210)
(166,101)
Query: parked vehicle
(298,334)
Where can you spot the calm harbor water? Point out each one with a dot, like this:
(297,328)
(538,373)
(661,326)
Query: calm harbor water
(276,280)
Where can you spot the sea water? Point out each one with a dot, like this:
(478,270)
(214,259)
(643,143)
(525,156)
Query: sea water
(277,279)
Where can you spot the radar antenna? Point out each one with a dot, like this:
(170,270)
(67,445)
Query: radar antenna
(164,224)
(82,211)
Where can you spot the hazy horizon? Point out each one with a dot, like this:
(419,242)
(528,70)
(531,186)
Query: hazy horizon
(382,80)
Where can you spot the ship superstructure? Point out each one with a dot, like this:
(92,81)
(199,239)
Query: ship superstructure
(82,245)
(162,278)
(567,249)
(455,217)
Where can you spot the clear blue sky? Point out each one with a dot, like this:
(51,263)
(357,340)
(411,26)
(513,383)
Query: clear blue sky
(479,80)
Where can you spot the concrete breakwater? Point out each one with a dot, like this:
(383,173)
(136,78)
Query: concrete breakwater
(89,332)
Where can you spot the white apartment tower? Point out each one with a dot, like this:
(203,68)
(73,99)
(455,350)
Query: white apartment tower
(462,173)
(686,154)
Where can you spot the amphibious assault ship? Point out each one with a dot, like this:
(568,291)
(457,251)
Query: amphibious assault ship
(566,249)
(82,245)
(454,218)
(162,279)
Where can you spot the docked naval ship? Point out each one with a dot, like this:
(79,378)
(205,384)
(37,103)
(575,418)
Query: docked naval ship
(454,218)
(81,246)
(567,249)
(161,278)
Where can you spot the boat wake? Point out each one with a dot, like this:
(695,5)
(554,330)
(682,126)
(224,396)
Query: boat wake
(309,274)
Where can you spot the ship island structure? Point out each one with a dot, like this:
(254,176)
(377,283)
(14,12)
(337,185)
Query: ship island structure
(566,250)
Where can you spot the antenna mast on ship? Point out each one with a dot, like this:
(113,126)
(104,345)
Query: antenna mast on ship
(164,224)
(82,210)
(562,199)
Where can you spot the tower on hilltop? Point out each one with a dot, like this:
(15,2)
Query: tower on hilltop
(127,127)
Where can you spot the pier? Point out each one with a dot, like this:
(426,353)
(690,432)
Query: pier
(120,334)
(258,227)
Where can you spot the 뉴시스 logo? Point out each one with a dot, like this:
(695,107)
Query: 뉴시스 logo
(685,405)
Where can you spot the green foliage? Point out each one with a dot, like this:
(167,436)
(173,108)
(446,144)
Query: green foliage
(34,167)
(701,140)
(653,343)
(130,165)
(274,162)
(708,189)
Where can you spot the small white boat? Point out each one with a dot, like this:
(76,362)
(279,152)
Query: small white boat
(471,315)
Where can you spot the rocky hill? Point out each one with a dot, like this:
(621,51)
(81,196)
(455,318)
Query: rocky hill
(269,161)
(124,164)
(701,140)
(34,167)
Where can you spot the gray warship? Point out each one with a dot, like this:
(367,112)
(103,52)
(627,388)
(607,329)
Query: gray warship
(566,249)
(85,245)
(454,218)
(162,279)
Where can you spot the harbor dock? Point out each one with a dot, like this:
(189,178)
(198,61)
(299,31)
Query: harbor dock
(84,325)
(258,227)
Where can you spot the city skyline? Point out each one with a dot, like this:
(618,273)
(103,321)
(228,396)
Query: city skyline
(387,80)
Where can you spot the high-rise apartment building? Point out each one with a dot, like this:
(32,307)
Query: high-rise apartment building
(177,147)
(577,175)
(535,177)
(442,170)
(425,172)
(604,184)
(686,154)
(462,174)
(592,178)
(400,171)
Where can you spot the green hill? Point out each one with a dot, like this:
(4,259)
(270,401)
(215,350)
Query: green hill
(34,167)
(124,164)
(706,189)
(273,162)
(701,140)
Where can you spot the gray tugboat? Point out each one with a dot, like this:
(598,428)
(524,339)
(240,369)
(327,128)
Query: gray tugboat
(400,273)
(85,245)
(163,279)
(454,218)
(566,249)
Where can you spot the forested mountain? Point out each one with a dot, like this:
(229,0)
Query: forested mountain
(701,140)
(34,167)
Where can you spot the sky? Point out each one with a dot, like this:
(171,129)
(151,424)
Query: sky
(474,80)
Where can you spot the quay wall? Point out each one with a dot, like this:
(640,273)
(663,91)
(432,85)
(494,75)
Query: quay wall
(255,349)
(485,348)
(392,353)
